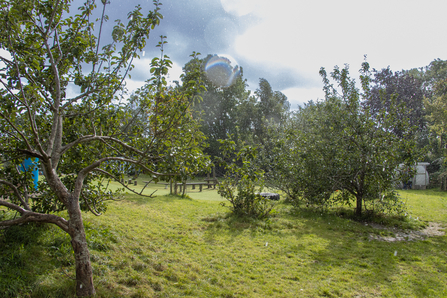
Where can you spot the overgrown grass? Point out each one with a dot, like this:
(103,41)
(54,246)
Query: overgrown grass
(191,247)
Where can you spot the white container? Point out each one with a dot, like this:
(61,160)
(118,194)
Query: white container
(421,179)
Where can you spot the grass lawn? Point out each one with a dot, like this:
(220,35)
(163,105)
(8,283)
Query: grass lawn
(170,246)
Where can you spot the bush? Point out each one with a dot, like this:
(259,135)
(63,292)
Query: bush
(243,182)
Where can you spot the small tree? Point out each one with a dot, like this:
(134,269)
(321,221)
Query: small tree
(243,181)
(337,145)
(82,140)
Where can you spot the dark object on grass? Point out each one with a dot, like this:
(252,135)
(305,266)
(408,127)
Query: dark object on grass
(270,195)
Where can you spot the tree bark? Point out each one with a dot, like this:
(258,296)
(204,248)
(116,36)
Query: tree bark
(84,272)
(358,208)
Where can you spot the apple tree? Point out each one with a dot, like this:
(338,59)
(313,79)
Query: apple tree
(336,151)
(80,140)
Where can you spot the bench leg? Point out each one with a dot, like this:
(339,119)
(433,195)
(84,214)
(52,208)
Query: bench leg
(193,186)
(200,187)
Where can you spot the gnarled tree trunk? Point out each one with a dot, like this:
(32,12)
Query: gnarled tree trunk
(84,272)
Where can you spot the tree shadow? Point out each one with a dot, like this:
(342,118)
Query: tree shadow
(26,261)
(338,253)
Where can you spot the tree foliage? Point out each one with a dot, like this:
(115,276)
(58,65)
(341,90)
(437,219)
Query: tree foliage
(218,110)
(336,151)
(271,108)
(233,110)
(84,141)
(243,181)
(390,88)
(435,76)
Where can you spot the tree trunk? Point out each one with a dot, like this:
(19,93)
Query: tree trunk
(84,272)
(358,208)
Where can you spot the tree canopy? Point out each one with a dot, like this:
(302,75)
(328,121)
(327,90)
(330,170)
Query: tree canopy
(337,151)
(390,88)
(233,110)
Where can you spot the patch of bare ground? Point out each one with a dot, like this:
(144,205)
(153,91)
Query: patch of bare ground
(433,229)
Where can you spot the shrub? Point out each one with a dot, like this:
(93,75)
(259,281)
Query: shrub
(243,182)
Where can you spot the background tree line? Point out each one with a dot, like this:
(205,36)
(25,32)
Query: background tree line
(350,143)
(248,117)
(235,110)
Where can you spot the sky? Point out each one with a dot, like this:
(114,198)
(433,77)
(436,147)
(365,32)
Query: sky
(287,41)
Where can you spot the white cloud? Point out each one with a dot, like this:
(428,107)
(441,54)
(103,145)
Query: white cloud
(133,85)
(72,90)
(308,35)
(175,72)
(141,73)
(6,55)
(299,96)
(239,7)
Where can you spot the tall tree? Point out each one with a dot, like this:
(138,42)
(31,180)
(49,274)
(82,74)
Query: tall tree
(219,108)
(89,137)
(272,104)
(435,76)
(231,109)
(406,89)
(272,107)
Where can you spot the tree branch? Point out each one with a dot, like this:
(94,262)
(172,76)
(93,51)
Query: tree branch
(25,101)
(28,145)
(30,216)
(99,34)
(16,192)
(75,99)
(90,138)
(84,172)
(96,213)
(125,186)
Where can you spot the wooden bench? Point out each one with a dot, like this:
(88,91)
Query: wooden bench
(211,182)
(193,184)
(166,184)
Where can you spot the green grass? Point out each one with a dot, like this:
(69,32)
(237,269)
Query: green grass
(161,189)
(429,205)
(190,247)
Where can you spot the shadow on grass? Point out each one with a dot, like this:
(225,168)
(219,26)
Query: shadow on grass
(336,251)
(37,259)
(407,268)
(25,262)
(394,267)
